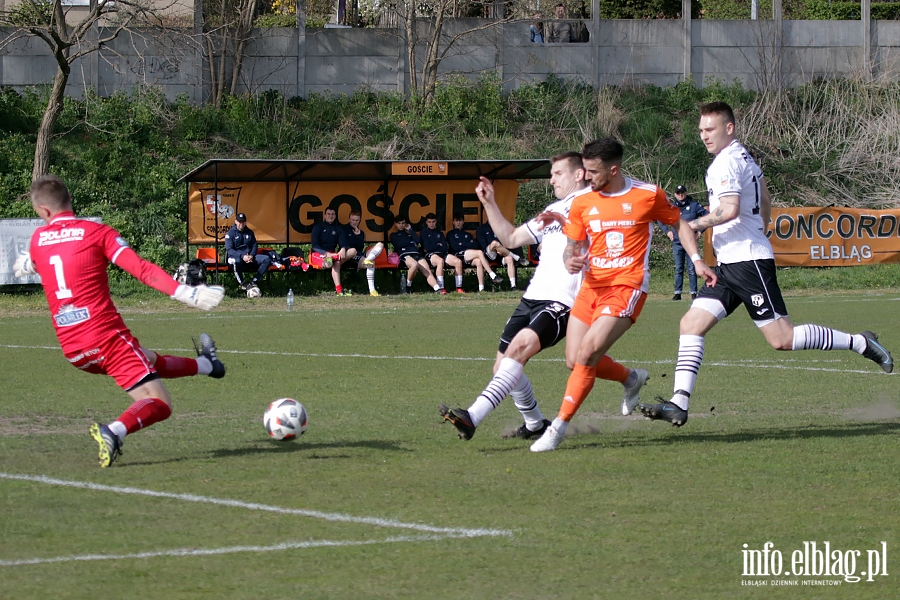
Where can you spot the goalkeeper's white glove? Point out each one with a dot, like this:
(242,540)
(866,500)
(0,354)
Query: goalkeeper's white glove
(23,266)
(204,297)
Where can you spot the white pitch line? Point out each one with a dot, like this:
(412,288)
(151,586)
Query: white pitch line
(339,517)
(226,550)
(750,364)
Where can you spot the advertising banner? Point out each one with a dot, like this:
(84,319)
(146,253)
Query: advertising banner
(834,236)
(15,237)
(829,237)
(282,212)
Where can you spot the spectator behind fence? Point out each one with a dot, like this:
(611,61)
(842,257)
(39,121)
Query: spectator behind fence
(241,252)
(536,31)
(406,245)
(326,236)
(353,241)
(494,250)
(465,248)
(559,31)
(690,211)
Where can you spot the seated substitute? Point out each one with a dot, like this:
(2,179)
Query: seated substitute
(325,238)
(464,247)
(353,242)
(493,249)
(241,252)
(406,245)
(435,248)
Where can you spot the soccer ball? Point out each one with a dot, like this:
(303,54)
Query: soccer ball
(285,419)
(253,292)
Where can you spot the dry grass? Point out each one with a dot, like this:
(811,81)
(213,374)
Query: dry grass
(841,138)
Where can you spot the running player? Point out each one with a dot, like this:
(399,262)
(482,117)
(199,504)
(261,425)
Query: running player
(740,208)
(618,221)
(71,255)
(540,319)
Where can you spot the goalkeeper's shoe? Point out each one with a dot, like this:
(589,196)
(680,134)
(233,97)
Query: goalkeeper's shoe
(632,393)
(526,434)
(110,445)
(368,263)
(665,411)
(207,349)
(460,419)
(374,294)
(876,352)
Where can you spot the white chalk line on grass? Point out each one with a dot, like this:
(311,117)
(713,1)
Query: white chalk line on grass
(315,514)
(225,550)
(430,532)
(784,364)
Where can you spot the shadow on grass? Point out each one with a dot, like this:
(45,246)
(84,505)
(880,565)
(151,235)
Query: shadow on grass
(613,439)
(647,438)
(302,446)
(273,447)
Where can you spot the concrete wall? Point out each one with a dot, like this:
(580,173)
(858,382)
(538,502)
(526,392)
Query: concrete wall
(658,52)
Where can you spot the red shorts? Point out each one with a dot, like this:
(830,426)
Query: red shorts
(615,301)
(120,357)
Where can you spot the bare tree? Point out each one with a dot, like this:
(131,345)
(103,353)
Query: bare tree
(424,23)
(46,20)
(227,29)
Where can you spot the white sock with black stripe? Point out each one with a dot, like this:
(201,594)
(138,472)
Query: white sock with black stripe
(690,357)
(504,380)
(816,337)
(523,397)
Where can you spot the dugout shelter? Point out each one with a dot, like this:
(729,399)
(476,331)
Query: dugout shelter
(284,199)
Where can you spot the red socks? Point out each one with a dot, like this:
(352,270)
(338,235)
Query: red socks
(170,367)
(145,413)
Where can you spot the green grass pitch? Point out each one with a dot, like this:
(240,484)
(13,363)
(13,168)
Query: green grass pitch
(379,499)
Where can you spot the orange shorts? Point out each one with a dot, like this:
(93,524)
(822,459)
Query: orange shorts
(615,301)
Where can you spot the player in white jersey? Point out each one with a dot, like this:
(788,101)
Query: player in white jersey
(739,211)
(541,318)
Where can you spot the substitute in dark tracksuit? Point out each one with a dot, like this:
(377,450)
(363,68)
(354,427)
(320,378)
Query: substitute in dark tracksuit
(240,250)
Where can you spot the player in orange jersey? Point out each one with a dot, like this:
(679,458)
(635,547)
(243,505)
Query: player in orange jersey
(617,221)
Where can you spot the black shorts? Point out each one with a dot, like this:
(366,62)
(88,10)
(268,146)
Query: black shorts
(752,283)
(414,255)
(548,319)
(356,260)
(462,256)
(441,254)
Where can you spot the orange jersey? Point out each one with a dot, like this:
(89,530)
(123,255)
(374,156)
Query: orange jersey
(620,226)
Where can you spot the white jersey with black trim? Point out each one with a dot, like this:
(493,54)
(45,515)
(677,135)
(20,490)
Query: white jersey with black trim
(551,280)
(734,172)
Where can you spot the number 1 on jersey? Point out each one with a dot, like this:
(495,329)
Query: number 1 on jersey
(62,292)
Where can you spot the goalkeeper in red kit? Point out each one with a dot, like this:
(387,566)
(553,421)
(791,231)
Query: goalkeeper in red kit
(71,255)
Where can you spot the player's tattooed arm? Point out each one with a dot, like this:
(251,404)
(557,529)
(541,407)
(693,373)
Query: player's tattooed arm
(572,256)
(729,208)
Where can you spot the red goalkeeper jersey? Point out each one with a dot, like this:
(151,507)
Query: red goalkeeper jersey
(71,255)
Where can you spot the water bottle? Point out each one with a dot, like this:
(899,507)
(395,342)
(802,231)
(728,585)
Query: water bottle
(403,282)
(290,299)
